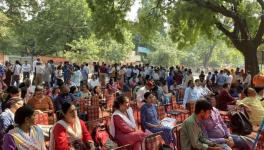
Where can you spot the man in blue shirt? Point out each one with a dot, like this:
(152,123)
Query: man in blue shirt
(221,79)
(65,96)
(170,80)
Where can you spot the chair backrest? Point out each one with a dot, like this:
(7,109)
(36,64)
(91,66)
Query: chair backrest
(110,101)
(42,119)
(125,147)
(82,104)
(95,100)
(176,136)
(153,141)
(92,113)
(174,102)
(91,124)
(161,112)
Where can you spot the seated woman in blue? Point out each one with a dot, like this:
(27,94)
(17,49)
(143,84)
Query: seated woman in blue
(150,121)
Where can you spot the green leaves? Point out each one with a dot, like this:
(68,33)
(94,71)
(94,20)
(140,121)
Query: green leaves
(107,50)
(4,29)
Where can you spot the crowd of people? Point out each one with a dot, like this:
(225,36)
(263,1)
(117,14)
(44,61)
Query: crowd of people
(54,89)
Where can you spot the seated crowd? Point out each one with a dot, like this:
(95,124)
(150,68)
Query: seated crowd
(130,100)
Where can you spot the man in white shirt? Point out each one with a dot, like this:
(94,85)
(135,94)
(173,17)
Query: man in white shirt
(247,81)
(94,82)
(34,64)
(16,73)
(229,78)
(156,76)
(26,68)
(140,93)
(128,73)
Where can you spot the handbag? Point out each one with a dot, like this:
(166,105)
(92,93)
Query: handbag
(239,123)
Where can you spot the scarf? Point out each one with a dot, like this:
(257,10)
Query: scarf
(33,141)
(130,121)
(74,133)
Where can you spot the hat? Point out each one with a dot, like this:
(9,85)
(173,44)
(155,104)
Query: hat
(150,83)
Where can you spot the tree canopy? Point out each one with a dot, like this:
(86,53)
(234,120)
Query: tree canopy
(60,26)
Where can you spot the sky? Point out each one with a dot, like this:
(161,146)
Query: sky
(132,15)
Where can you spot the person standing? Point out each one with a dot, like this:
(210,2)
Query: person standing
(221,79)
(247,81)
(52,69)
(85,73)
(229,77)
(202,76)
(16,73)
(47,75)
(39,72)
(26,68)
(8,73)
(34,69)
(77,76)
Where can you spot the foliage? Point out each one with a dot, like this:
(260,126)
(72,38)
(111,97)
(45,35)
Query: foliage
(4,29)
(205,52)
(107,50)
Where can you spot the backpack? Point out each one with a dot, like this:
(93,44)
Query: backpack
(240,123)
(102,138)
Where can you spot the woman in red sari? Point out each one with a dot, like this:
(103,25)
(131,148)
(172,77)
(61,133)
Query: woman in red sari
(123,126)
(70,132)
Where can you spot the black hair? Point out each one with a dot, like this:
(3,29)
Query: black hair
(146,95)
(258,89)
(119,100)
(246,91)
(202,105)
(22,113)
(225,85)
(54,89)
(94,89)
(10,90)
(72,89)
(189,83)
(64,108)
(197,80)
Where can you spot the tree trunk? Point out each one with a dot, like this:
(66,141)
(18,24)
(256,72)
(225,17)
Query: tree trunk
(208,55)
(251,61)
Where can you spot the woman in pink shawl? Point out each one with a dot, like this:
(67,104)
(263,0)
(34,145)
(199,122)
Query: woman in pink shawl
(123,126)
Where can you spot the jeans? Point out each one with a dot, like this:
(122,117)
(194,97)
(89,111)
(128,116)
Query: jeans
(225,147)
(26,75)
(240,143)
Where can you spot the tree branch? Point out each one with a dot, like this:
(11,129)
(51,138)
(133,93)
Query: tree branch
(215,8)
(221,27)
(231,35)
(261,3)
(241,24)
